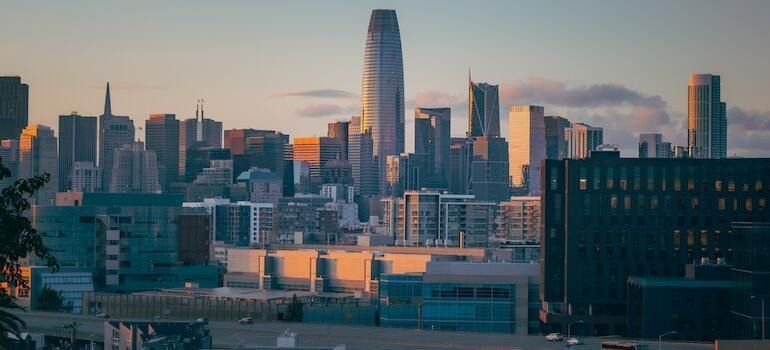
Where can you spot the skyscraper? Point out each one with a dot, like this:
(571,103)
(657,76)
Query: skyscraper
(483,109)
(135,170)
(14,107)
(652,146)
(489,169)
(526,149)
(555,143)
(271,150)
(431,138)
(317,151)
(198,129)
(77,143)
(460,150)
(162,136)
(582,139)
(362,161)
(9,155)
(706,117)
(339,131)
(235,139)
(114,132)
(37,155)
(382,95)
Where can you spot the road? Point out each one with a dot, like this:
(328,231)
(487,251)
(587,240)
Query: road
(232,335)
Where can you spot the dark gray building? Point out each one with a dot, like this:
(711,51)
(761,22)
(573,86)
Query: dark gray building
(751,273)
(555,143)
(77,143)
(483,109)
(268,149)
(489,179)
(198,129)
(608,218)
(162,137)
(431,138)
(460,150)
(114,132)
(339,131)
(14,107)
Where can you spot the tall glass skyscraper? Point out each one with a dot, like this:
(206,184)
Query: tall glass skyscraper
(382,92)
(706,117)
(484,109)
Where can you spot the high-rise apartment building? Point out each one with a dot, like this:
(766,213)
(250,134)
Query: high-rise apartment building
(519,219)
(526,149)
(431,138)
(77,143)
(652,146)
(235,139)
(407,171)
(114,132)
(134,170)
(240,223)
(162,137)
(483,109)
(86,177)
(555,141)
(582,139)
(339,131)
(196,132)
(706,117)
(608,218)
(382,92)
(14,107)
(268,149)
(489,179)
(460,155)
(297,215)
(37,155)
(9,155)
(317,152)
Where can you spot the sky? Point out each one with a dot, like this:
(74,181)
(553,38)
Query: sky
(295,66)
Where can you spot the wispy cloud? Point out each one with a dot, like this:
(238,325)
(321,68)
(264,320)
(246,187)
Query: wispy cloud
(537,90)
(319,93)
(326,109)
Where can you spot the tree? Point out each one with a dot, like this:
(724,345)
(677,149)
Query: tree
(50,300)
(19,239)
(294,310)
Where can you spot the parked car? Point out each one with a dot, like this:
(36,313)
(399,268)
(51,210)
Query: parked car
(554,337)
(574,341)
(246,320)
(103,315)
(202,320)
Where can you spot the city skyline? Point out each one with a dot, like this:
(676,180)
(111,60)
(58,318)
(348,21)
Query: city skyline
(615,97)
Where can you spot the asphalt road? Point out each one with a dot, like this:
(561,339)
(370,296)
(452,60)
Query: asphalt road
(233,335)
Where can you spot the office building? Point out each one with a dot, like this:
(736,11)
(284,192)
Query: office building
(240,223)
(114,132)
(519,219)
(582,139)
(488,170)
(297,218)
(382,91)
(607,218)
(555,141)
(362,161)
(235,139)
(526,149)
(706,117)
(199,157)
(195,237)
(427,218)
(271,150)
(339,131)
(483,109)
(134,170)
(196,133)
(162,137)
(652,146)
(37,156)
(460,151)
(461,296)
(14,107)
(129,241)
(432,138)
(9,156)
(317,152)
(263,186)
(404,172)
(77,143)
(86,177)
(751,274)
(337,171)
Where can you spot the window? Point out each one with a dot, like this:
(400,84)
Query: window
(653,202)
(663,179)
(597,178)
(627,202)
(637,178)
(717,185)
(677,179)
(650,179)
(704,238)
(623,179)
(583,179)
(758,185)
(613,201)
(722,204)
(554,180)
(749,204)
(610,179)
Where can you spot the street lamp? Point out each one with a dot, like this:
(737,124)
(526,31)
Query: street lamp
(763,313)
(569,327)
(660,337)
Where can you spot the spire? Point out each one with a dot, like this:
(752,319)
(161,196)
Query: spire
(107,105)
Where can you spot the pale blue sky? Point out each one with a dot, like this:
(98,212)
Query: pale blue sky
(160,56)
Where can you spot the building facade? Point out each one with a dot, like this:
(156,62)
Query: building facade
(162,137)
(37,156)
(706,117)
(317,152)
(431,138)
(483,109)
(582,139)
(86,177)
(114,132)
(607,218)
(652,146)
(134,170)
(751,274)
(77,143)
(339,131)
(489,179)
(519,219)
(555,140)
(526,130)
(14,107)
(382,92)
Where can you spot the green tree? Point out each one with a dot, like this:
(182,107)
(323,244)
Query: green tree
(50,300)
(19,239)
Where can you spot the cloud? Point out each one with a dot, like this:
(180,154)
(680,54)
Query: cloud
(434,98)
(319,93)
(748,132)
(740,119)
(536,90)
(325,109)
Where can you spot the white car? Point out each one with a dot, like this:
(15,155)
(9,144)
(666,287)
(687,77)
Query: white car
(554,337)
(574,341)
(246,320)
(103,315)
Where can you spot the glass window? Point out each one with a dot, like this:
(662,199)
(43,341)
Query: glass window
(610,178)
(677,179)
(554,179)
(627,202)
(749,204)
(637,178)
(663,179)
(653,202)
(717,185)
(613,201)
(583,179)
(623,179)
(758,185)
(597,178)
(650,179)
(722,204)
